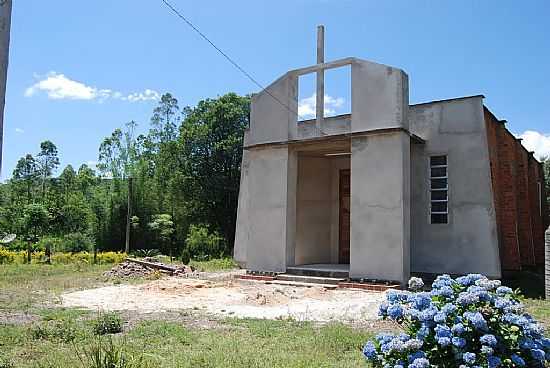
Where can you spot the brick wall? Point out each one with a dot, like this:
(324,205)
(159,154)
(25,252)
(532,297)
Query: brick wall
(515,176)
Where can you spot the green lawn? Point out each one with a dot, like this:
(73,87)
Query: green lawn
(59,337)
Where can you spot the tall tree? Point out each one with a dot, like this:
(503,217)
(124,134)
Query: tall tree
(48,161)
(118,159)
(67,180)
(26,171)
(164,120)
(211,142)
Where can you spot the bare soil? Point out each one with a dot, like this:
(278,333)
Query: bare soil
(218,294)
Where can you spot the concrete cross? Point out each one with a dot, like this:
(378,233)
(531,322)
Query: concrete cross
(320,91)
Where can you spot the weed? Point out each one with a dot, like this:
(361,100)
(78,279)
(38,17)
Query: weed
(107,323)
(4,363)
(107,354)
(56,330)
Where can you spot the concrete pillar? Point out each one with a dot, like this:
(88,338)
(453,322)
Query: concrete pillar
(5,25)
(547,262)
(272,179)
(380,207)
(320,90)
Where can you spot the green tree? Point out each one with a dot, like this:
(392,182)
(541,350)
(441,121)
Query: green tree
(164,120)
(26,172)
(211,142)
(67,180)
(163,226)
(48,161)
(36,220)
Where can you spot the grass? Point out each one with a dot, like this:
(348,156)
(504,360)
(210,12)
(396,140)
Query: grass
(24,287)
(63,337)
(248,343)
(219,264)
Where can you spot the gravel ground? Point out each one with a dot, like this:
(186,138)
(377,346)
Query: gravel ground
(221,296)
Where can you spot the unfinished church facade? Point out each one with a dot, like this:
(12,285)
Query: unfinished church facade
(390,189)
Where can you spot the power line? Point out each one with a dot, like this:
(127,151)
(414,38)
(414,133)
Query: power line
(196,29)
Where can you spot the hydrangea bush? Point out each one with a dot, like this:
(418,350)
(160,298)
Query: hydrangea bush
(469,321)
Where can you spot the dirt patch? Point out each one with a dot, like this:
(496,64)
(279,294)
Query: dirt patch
(219,296)
(16,318)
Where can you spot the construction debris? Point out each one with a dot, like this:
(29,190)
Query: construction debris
(131,268)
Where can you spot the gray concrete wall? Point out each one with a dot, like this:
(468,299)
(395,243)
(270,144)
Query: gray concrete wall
(271,208)
(333,125)
(380,97)
(468,243)
(241,232)
(313,211)
(380,208)
(273,112)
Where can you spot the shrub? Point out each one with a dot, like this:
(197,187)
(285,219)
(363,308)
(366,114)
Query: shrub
(57,330)
(107,323)
(9,257)
(201,244)
(185,256)
(55,243)
(469,321)
(76,242)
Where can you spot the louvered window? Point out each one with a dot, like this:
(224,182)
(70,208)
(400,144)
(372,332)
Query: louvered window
(439,190)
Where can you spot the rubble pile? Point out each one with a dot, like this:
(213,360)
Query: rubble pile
(142,268)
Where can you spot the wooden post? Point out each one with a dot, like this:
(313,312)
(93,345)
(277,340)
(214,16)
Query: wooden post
(547,263)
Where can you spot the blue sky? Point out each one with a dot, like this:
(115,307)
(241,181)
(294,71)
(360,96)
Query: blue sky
(80,69)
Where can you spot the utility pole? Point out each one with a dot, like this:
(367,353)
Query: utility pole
(128,216)
(5,25)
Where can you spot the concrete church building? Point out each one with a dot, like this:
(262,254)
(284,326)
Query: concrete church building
(390,189)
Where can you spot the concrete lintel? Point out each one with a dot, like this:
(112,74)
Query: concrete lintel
(336,137)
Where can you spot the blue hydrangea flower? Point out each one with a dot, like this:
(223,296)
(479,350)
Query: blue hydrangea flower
(369,350)
(457,329)
(395,311)
(503,290)
(459,342)
(476,319)
(493,361)
(469,358)
(489,340)
(537,354)
(518,360)
(420,363)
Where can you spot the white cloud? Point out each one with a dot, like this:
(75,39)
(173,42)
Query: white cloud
(19,130)
(306,106)
(537,142)
(58,87)
(146,95)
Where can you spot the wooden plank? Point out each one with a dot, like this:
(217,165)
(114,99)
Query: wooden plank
(157,266)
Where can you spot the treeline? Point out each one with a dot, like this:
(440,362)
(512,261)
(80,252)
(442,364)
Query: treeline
(174,189)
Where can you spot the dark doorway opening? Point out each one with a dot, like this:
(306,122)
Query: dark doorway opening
(345,216)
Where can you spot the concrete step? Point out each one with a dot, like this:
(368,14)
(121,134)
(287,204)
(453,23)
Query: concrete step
(302,271)
(310,279)
(301,284)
